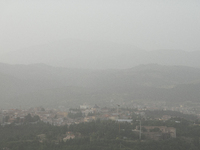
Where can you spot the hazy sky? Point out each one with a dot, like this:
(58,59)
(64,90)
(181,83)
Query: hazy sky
(155,24)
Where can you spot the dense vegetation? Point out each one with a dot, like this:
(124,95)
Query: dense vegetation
(98,135)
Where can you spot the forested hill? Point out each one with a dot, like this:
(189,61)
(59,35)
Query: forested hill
(40,84)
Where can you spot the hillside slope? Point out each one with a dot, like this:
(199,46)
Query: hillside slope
(39,84)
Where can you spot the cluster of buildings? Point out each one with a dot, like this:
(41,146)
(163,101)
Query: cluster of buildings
(60,117)
(185,107)
(88,113)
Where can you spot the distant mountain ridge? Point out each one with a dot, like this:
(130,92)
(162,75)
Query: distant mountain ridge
(98,55)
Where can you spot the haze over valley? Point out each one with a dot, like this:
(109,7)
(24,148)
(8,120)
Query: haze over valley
(99,75)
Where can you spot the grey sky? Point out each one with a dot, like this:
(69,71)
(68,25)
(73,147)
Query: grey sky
(155,24)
